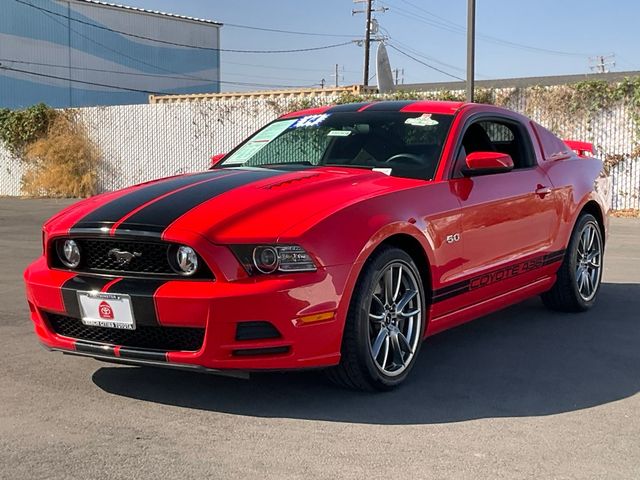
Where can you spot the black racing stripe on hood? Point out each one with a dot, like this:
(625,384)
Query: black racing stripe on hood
(114,210)
(161,214)
(347,107)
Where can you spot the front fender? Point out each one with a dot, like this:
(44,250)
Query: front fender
(377,239)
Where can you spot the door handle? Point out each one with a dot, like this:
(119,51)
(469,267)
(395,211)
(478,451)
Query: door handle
(542,190)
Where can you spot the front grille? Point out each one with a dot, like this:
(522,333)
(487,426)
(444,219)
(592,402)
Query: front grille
(153,256)
(146,337)
(149,258)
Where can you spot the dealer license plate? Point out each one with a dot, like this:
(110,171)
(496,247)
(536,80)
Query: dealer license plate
(109,310)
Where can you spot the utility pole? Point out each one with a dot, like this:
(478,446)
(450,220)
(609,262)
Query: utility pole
(471,48)
(368,11)
(398,74)
(337,75)
(601,63)
(367,44)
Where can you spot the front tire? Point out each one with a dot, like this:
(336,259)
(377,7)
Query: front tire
(579,277)
(385,324)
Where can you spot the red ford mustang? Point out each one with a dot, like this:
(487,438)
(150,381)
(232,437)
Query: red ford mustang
(336,237)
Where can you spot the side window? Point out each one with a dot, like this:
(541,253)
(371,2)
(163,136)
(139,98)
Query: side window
(496,136)
(498,132)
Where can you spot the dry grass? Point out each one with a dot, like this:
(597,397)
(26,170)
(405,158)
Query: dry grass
(628,213)
(63,163)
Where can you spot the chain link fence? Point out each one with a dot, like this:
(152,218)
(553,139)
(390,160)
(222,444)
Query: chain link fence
(144,142)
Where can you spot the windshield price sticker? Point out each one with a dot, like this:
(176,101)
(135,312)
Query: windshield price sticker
(259,141)
(272,131)
(423,120)
(310,121)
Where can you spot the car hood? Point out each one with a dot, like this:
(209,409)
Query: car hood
(233,205)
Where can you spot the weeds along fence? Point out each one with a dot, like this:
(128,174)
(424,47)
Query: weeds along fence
(142,142)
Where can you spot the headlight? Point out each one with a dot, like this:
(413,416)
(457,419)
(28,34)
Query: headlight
(186,260)
(69,253)
(294,259)
(274,258)
(265,259)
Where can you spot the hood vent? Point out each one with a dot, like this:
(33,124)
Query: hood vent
(291,181)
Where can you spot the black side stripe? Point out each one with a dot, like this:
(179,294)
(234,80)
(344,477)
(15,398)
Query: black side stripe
(162,213)
(450,291)
(79,283)
(495,276)
(554,257)
(114,210)
(142,302)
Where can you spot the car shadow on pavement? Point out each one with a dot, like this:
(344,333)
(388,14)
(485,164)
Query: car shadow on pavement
(523,361)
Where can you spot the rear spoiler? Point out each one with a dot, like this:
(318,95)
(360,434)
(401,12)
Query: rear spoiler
(583,149)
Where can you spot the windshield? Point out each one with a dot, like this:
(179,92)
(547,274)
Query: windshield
(406,144)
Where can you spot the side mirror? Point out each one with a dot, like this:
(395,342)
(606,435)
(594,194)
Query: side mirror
(486,163)
(216,159)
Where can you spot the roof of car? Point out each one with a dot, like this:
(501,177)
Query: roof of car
(415,106)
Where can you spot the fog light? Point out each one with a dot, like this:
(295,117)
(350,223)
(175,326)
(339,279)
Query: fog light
(70,254)
(187,260)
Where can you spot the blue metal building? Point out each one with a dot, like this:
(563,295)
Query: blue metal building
(74,53)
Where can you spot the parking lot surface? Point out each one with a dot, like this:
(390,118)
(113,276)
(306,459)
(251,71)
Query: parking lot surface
(523,393)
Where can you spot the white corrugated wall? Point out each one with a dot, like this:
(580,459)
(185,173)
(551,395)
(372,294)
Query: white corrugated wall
(143,142)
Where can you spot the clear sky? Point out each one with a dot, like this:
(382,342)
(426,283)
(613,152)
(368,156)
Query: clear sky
(563,34)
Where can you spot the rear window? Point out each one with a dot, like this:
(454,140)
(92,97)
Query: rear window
(552,147)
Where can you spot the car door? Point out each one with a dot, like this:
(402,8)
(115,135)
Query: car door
(507,219)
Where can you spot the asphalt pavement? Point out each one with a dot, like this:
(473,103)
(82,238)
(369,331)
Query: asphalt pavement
(522,393)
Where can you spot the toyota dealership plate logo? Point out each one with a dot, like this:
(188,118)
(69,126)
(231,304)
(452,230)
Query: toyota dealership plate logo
(105,311)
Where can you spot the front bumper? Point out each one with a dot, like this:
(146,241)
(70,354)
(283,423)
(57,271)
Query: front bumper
(305,309)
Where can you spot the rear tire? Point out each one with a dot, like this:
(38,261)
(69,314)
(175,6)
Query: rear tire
(385,324)
(579,276)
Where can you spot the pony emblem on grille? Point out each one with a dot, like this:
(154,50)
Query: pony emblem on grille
(123,257)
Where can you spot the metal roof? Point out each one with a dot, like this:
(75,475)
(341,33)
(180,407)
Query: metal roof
(153,12)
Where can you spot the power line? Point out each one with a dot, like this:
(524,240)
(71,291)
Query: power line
(425,57)
(276,67)
(424,63)
(453,27)
(291,32)
(117,87)
(56,77)
(370,33)
(122,54)
(296,50)
(142,62)
(139,74)
(601,63)
(166,42)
